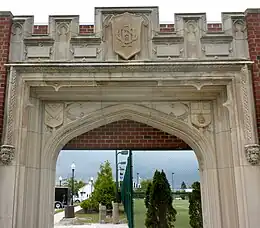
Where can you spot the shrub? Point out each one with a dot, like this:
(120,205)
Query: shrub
(195,209)
(89,205)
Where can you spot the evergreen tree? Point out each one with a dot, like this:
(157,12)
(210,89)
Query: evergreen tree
(160,212)
(195,208)
(183,185)
(104,187)
(147,195)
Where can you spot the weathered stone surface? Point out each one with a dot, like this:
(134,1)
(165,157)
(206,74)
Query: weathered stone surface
(187,82)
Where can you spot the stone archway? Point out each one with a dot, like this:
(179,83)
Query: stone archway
(208,108)
(156,119)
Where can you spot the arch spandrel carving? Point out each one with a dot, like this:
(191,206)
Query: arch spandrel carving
(136,112)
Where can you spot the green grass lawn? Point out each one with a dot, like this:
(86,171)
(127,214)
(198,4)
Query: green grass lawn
(182,218)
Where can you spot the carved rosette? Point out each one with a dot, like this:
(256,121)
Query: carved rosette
(6,154)
(252,153)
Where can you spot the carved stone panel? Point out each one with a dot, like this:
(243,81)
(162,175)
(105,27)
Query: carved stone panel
(126,32)
(54,114)
(201,116)
(192,39)
(240,39)
(38,52)
(165,51)
(85,52)
(175,109)
(217,49)
(62,46)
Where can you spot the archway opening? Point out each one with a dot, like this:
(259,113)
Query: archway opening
(147,143)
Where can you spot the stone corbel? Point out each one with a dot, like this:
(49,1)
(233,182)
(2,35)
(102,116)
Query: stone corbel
(7,152)
(252,153)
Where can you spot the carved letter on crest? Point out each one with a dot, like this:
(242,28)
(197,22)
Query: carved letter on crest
(54,114)
(126,32)
(201,114)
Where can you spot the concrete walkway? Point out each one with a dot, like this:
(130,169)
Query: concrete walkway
(59,216)
(95,226)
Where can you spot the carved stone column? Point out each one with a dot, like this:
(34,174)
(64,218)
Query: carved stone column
(246,154)
(8,170)
(252,148)
(7,149)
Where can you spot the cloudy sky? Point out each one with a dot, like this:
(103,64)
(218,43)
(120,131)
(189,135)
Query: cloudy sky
(85,8)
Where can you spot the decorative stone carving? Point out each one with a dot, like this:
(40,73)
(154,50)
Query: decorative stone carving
(191,30)
(252,153)
(175,109)
(17,32)
(62,32)
(7,150)
(245,103)
(62,45)
(201,114)
(6,154)
(126,32)
(240,38)
(54,114)
(77,110)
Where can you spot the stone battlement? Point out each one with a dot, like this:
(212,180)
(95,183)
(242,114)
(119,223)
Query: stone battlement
(141,37)
(89,29)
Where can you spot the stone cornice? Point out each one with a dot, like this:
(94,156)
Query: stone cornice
(133,66)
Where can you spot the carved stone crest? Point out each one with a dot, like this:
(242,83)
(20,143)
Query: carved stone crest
(201,114)
(6,154)
(54,114)
(126,32)
(252,153)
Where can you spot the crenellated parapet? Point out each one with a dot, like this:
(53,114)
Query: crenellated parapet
(130,33)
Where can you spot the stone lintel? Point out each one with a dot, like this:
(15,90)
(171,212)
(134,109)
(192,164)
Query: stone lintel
(6,14)
(134,66)
(252,10)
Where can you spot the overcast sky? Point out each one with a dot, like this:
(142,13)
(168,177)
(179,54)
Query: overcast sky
(85,8)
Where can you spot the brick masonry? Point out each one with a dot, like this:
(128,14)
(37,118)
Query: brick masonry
(5,32)
(126,134)
(253,30)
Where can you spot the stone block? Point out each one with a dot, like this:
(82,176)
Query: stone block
(102,213)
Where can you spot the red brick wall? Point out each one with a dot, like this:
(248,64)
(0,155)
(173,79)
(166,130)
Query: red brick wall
(253,29)
(5,32)
(126,134)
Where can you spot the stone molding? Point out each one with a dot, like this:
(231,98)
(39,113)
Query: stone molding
(134,66)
